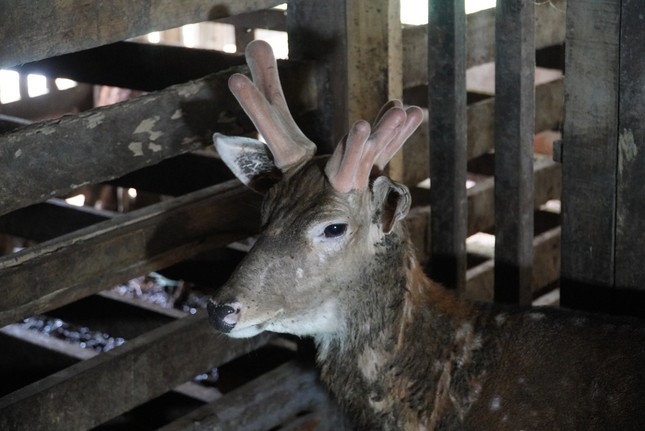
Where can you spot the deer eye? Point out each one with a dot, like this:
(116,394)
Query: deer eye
(335,230)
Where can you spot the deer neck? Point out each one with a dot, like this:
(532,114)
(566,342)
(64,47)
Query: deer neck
(404,330)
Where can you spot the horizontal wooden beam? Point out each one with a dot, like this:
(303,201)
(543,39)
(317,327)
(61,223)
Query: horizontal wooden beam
(51,158)
(76,265)
(480,39)
(42,28)
(140,66)
(270,19)
(188,346)
(267,402)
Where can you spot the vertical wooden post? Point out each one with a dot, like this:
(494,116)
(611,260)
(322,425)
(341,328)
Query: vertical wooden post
(589,153)
(357,43)
(514,131)
(447,135)
(630,199)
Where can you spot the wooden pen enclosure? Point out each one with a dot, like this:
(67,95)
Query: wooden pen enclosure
(498,133)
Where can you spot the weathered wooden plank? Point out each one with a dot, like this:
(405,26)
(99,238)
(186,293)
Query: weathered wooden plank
(312,27)
(480,40)
(270,19)
(188,346)
(374,57)
(76,265)
(140,66)
(40,29)
(549,102)
(261,404)
(362,72)
(589,151)
(514,130)
(54,157)
(448,144)
(630,194)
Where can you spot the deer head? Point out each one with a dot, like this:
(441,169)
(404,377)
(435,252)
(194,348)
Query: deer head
(323,218)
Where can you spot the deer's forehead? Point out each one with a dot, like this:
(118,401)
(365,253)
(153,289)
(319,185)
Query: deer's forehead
(307,197)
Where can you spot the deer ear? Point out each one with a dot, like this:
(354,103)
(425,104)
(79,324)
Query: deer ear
(249,159)
(391,202)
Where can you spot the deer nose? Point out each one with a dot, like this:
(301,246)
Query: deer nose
(223,316)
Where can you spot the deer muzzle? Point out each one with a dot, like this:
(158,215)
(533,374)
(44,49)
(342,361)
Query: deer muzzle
(223,317)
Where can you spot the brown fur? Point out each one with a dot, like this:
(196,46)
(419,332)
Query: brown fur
(401,353)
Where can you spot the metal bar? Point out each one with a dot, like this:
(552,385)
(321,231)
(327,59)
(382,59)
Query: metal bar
(447,135)
(514,128)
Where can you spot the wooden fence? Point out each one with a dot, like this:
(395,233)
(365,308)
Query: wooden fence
(346,59)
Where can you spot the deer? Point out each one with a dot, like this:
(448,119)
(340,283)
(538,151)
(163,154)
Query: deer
(334,262)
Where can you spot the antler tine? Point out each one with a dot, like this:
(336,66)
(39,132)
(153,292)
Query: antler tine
(263,101)
(414,117)
(360,152)
(351,163)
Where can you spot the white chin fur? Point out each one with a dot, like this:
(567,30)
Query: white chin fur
(248,332)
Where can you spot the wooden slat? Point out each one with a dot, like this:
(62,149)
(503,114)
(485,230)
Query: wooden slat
(630,194)
(54,157)
(263,403)
(448,144)
(480,48)
(589,150)
(374,57)
(140,66)
(143,368)
(311,26)
(362,73)
(42,28)
(76,265)
(272,19)
(514,130)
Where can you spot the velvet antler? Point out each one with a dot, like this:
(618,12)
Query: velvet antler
(363,151)
(264,102)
